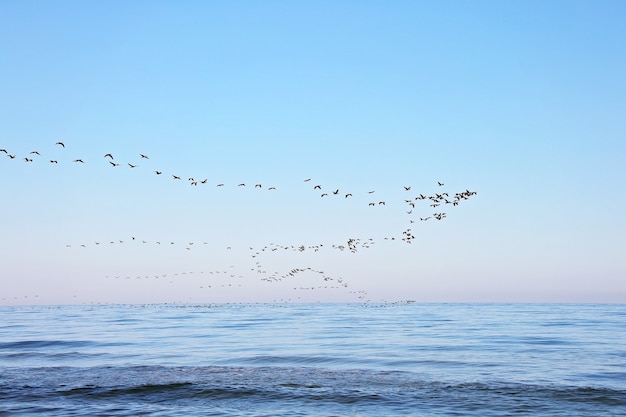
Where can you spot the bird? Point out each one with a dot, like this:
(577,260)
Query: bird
(4,150)
(52,161)
(440,183)
(143,156)
(258,186)
(176,177)
(158,172)
(35,153)
(220,185)
(28,160)
(131,165)
(11,156)
(241,185)
(108,156)
(307,180)
(79,160)
(317,187)
(348,195)
(114,164)
(336,192)
(60,143)
(407,188)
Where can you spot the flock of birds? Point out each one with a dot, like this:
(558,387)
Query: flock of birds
(435,201)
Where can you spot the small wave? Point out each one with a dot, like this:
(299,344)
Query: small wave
(38,344)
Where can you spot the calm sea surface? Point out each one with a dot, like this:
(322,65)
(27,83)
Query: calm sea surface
(314,360)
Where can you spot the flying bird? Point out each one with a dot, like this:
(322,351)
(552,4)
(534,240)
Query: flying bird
(108,155)
(131,165)
(60,143)
(35,153)
(114,164)
(79,160)
(143,156)
(175,177)
(158,172)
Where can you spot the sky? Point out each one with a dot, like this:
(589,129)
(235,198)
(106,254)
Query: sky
(516,107)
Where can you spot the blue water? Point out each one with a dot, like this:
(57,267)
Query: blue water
(314,360)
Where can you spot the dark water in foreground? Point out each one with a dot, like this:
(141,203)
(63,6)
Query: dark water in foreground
(314,360)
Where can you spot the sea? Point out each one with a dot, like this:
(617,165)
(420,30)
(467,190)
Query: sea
(389,359)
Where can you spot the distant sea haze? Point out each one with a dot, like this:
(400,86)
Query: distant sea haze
(401,359)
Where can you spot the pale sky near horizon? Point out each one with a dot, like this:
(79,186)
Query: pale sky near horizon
(522,102)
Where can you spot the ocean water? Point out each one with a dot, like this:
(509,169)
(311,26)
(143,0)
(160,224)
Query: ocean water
(404,359)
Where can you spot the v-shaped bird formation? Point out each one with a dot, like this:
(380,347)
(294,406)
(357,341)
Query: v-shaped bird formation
(418,207)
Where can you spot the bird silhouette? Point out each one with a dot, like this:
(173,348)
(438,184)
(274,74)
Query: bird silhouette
(60,143)
(143,156)
(108,156)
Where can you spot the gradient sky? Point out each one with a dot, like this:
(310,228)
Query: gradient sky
(522,102)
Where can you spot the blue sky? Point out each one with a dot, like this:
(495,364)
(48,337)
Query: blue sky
(522,102)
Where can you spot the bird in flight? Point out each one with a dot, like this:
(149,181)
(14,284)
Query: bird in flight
(440,183)
(108,155)
(114,164)
(407,188)
(307,180)
(28,160)
(52,161)
(143,156)
(35,153)
(4,150)
(158,172)
(175,177)
(79,160)
(60,143)
(131,165)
